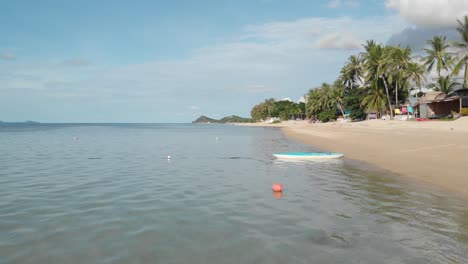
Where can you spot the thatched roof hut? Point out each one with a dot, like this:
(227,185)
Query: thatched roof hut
(437,104)
(432,96)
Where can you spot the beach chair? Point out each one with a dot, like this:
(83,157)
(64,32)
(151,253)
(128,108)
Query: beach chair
(347,114)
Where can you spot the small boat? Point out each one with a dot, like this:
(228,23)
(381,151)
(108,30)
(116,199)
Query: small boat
(308,155)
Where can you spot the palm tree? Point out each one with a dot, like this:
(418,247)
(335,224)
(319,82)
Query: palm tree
(376,65)
(352,72)
(437,54)
(270,103)
(327,99)
(338,92)
(416,74)
(370,44)
(313,105)
(463,46)
(375,98)
(399,59)
(324,98)
(445,85)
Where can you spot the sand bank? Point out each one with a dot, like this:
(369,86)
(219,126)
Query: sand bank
(434,152)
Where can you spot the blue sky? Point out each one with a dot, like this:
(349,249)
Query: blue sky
(171,61)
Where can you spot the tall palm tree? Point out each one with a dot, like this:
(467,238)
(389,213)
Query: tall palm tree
(463,46)
(399,59)
(416,74)
(437,54)
(376,65)
(375,98)
(338,92)
(352,72)
(445,85)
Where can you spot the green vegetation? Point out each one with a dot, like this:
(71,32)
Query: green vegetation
(284,110)
(438,54)
(327,115)
(227,119)
(376,80)
(444,84)
(234,119)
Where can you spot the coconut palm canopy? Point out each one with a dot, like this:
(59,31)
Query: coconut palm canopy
(438,55)
(445,84)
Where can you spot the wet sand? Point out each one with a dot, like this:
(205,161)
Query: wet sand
(434,152)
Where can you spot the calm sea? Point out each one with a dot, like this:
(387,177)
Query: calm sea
(110,195)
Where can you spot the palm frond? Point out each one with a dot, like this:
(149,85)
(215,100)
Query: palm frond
(458,66)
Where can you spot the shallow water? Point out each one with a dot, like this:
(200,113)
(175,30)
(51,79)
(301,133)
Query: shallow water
(112,196)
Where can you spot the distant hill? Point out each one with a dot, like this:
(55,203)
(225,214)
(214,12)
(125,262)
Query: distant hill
(24,122)
(227,119)
(205,119)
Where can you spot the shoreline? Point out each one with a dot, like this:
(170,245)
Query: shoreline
(429,152)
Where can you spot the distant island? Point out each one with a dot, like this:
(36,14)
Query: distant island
(227,119)
(24,122)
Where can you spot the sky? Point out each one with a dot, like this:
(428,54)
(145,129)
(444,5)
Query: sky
(172,61)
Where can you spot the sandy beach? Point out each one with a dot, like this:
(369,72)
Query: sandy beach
(434,152)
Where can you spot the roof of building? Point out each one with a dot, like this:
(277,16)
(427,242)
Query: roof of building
(432,96)
(436,97)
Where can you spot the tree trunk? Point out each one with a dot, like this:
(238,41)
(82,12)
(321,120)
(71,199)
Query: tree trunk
(396,94)
(388,97)
(465,81)
(341,108)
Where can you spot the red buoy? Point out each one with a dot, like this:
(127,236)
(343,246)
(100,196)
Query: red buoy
(277,187)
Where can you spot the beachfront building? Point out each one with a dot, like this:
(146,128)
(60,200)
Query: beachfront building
(438,105)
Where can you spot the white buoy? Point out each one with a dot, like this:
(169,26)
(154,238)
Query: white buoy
(169,157)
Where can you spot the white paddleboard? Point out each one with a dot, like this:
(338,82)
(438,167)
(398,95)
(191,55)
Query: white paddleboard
(308,155)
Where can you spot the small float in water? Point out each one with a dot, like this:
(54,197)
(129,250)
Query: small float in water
(277,187)
(308,155)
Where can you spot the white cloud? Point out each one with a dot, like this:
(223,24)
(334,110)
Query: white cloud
(430,13)
(416,38)
(7,56)
(339,41)
(341,3)
(351,3)
(302,33)
(334,3)
(194,107)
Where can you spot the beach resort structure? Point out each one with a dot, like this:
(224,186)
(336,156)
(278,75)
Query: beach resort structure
(437,104)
